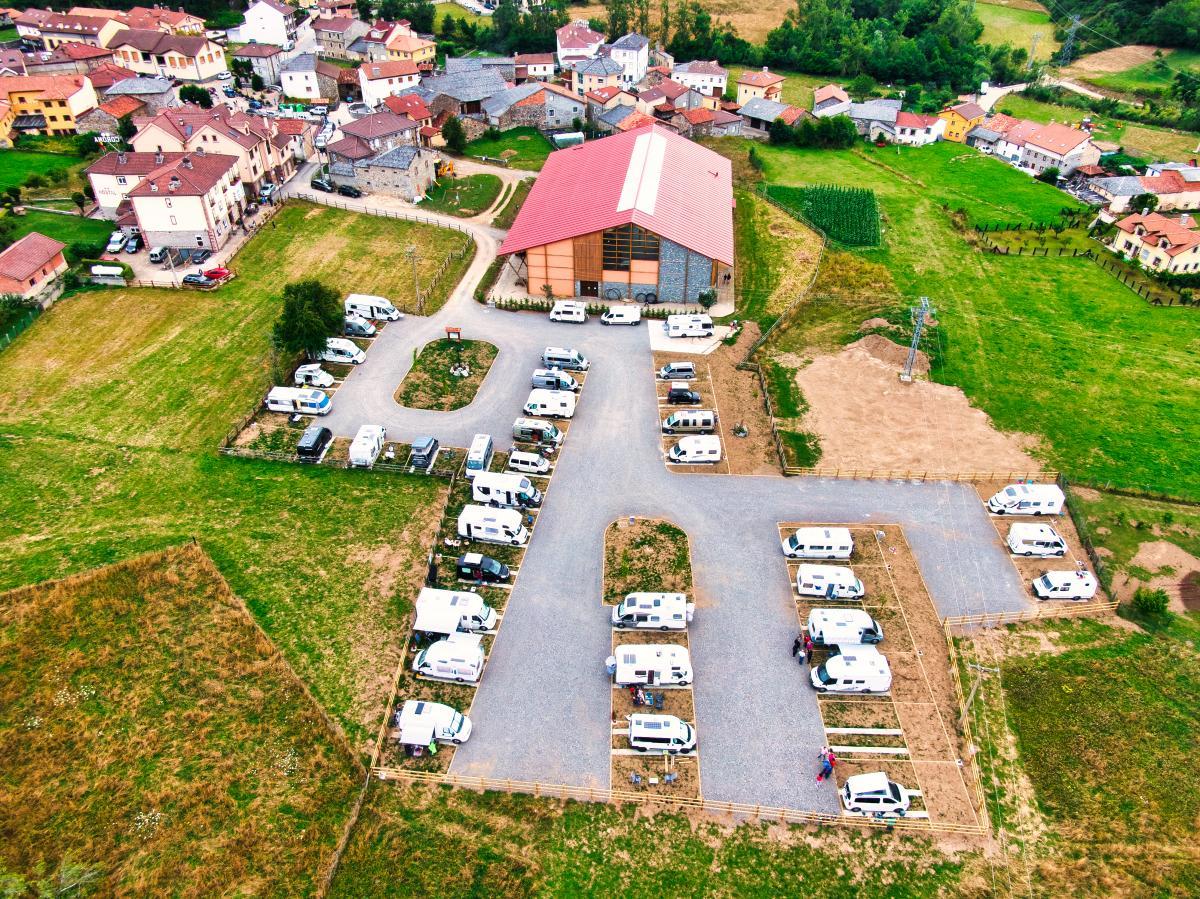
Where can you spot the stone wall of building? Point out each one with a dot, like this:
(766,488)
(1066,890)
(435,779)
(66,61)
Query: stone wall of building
(682,273)
(404,183)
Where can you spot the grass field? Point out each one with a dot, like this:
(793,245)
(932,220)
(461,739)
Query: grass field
(648,556)
(1149,79)
(524,148)
(17,165)
(508,214)
(429,383)
(1011,25)
(776,255)
(454,11)
(752,20)
(464,196)
(153,737)
(67,228)
(115,402)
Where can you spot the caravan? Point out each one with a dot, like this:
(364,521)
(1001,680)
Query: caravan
(661,733)
(500,489)
(696,451)
(302,402)
(829,581)
(855,669)
(1035,540)
(689,326)
(458,658)
(1027,499)
(375,308)
(661,611)
(819,543)
(550,403)
(479,456)
(486,525)
(1078,585)
(840,627)
(652,664)
(449,611)
(420,723)
(367,445)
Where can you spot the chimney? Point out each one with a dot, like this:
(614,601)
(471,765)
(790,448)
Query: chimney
(1183,219)
(1145,210)
(121,157)
(173,184)
(158,158)
(187,162)
(764,68)
(153,187)
(199,152)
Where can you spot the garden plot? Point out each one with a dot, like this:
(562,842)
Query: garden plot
(446,374)
(702,384)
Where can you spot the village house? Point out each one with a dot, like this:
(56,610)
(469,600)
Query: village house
(758,114)
(194,201)
(161,18)
(104,118)
(623,118)
(631,53)
(334,9)
(875,119)
(606,98)
(266,61)
(371,135)
(705,122)
(917,130)
(412,106)
(386,78)
(504,66)
(114,175)
(533,104)
(576,42)
(703,76)
(404,171)
(593,74)
(29,26)
(169,55)
(270,22)
(1059,146)
(830,100)
(334,36)
(411,47)
(533,67)
(305,77)
(45,104)
(156,93)
(372,45)
(31,265)
(71,58)
(1158,242)
(295,137)
(59,29)
(106,75)
(960,119)
(759,85)
(463,95)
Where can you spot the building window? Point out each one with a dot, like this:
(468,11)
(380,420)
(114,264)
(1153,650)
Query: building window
(174,221)
(626,243)
(121,179)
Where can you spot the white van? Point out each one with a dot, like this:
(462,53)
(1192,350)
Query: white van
(661,611)
(341,349)
(298,400)
(829,581)
(312,375)
(689,326)
(479,456)
(569,311)
(533,430)
(367,445)
(855,669)
(553,379)
(563,357)
(158,255)
(458,658)
(550,403)
(1035,540)
(450,611)
(837,627)
(487,525)
(371,307)
(495,488)
(690,421)
(528,463)
(1027,499)
(678,371)
(661,733)
(1074,585)
(357,326)
(819,543)
(622,315)
(695,451)
(421,723)
(652,664)
(873,794)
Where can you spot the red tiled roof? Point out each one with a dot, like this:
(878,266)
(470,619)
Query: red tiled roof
(122,105)
(577,36)
(380,124)
(1058,139)
(969,110)
(257,51)
(107,74)
(429,131)
(51,87)
(77,51)
(410,105)
(64,24)
(293,126)
(830,92)
(1001,123)
(914,120)
(760,79)
(388,68)
(337,24)
(350,146)
(1169,182)
(27,255)
(792,113)
(194,175)
(603,94)
(636,120)
(130,163)
(699,116)
(160,42)
(722,117)
(651,177)
(1179,237)
(534,59)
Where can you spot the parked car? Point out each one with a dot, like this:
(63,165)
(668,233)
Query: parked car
(230,92)
(200,255)
(323,184)
(198,281)
(873,794)
(255,104)
(477,567)
(116,242)
(133,244)
(218,274)
(349,190)
(682,396)
(529,463)
(359,109)
(224,76)
(265,194)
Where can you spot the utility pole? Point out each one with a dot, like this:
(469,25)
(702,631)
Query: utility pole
(411,252)
(919,314)
(974,689)
(1037,36)
(1068,47)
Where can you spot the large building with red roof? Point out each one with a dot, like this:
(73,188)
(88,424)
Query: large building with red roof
(1159,243)
(643,213)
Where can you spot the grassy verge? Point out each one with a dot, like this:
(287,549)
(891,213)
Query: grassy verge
(67,228)
(17,165)
(647,556)
(429,384)
(524,148)
(464,197)
(505,217)
(1010,25)
(775,258)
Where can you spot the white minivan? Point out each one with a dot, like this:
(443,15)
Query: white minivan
(479,456)
(1035,540)
(873,794)
(819,543)
(458,658)
(569,311)
(661,733)
(622,315)
(829,581)
(688,326)
(528,463)
(565,358)
(696,451)
(1077,586)
(371,307)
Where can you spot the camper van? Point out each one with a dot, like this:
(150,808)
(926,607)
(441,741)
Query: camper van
(695,451)
(690,421)
(367,445)
(819,543)
(678,371)
(424,453)
(550,403)
(480,568)
(340,349)
(357,326)
(855,669)
(298,400)
(660,611)
(622,315)
(312,375)
(314,444)
(873,794)
(661,733)
(487,525)
(562,357)
(1074,585)
(569,311)
(553,379)
(479,456)
(1027,499)
(838,627)
(1035,540)
(458,658)
(829,581)
(531,430)
(654,664)
(689,326)
(450,611)
(376,308)
(420,723)
(494,488)
(528,463)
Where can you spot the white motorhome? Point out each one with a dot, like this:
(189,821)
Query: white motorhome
(367,445)
(1027,499)
(420,723)
(528,463)
(458,658)
(343,350)
(487,525)
(839,627)
(829,581)
(370,307)
(1035,540)
(1077,585)
(479,456)
(655,611)
(450,611)
(696,451)
(564,357)
(550,403)
(496,488)
(873,794)
(856,668)
(688,326)
(653,664)
(622,315)
(299,400)
(661,733)
(819,543)
(569,311)
(312,375)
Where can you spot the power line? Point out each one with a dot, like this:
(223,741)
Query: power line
(1068,47)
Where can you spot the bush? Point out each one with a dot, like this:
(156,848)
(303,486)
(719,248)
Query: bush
(1150,602)
(707,298)
(58,176)
(34,181)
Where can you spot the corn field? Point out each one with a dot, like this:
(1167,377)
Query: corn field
(848,215)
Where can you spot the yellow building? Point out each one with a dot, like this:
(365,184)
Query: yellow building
(594,75)
(7,114)
(416,50)
(961,119)
(1159,243)
(759,85)
(46,104)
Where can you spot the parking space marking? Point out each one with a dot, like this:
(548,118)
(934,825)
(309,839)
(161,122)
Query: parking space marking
(870,750)
(868,731)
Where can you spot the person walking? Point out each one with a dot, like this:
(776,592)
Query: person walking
(808,648)
(798,644)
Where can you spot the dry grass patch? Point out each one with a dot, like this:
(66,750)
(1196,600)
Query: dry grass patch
(431,382)
(647,555)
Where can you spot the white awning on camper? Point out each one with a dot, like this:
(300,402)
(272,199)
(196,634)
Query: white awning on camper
(437,618)
(416,733)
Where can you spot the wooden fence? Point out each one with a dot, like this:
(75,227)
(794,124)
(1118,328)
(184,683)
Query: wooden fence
(978,798)
(963,623)
(910,474)
(327,200)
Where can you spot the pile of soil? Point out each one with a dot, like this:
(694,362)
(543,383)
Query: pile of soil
(872,323)
(891,353)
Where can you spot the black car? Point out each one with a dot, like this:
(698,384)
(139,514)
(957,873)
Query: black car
(349,190)
(198,281)
(681,396)
(199,256)
(313,443)
(133,244)
(322,184)
(482,569)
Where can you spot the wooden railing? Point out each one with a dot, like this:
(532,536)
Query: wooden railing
(917,474)
(1055,610)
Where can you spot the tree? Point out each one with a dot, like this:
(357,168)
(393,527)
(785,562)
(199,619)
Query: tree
(643,17)
(664,22)
(14,193)
(243,68)
(1049,174)
(707,298)
(455,135)
(79,200)
(194,93)
(256,82)
(125,127)
(620,12)
(449,27)
(312,312)
(780,132)
(365,8)
(1150,602)
(1149,202)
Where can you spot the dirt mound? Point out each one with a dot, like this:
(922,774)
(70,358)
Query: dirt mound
(1171,568)
(889,352)
(1117,59)
(872,323)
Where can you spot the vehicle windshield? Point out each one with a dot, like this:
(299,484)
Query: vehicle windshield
(688,733)
(421,657)
(894,789)
(491,566)
(792,542)
(823,675)
(1046,582)
(456,723)
(1009,491)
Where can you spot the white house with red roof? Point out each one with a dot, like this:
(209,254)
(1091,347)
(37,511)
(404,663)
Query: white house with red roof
(576,42)
(917,130)
(1159,243)
(30,265)
(645,212)
(192,201)
(705,76)
(386,78)
(1059,146)
(830,100)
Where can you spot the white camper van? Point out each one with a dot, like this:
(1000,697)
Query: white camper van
(479,456)
(819,543)
(421,723)
(528,463)
(829,581)
(839,627)
(492,525)
(1035,540)
(689,326)
(661,733)
(367,445)
(550,403)
(873,794)
(856,668)
(1027,499)
(342,349)
(458,658)
(622,315)
(299,400)
(690,421)
(450,611)
(695,451)
(533,430)
(312,375)
(569,311)
(661,611)
(565,358)
(654,664)
(495,488)
(553,379)
(369,307)
(1074,585)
